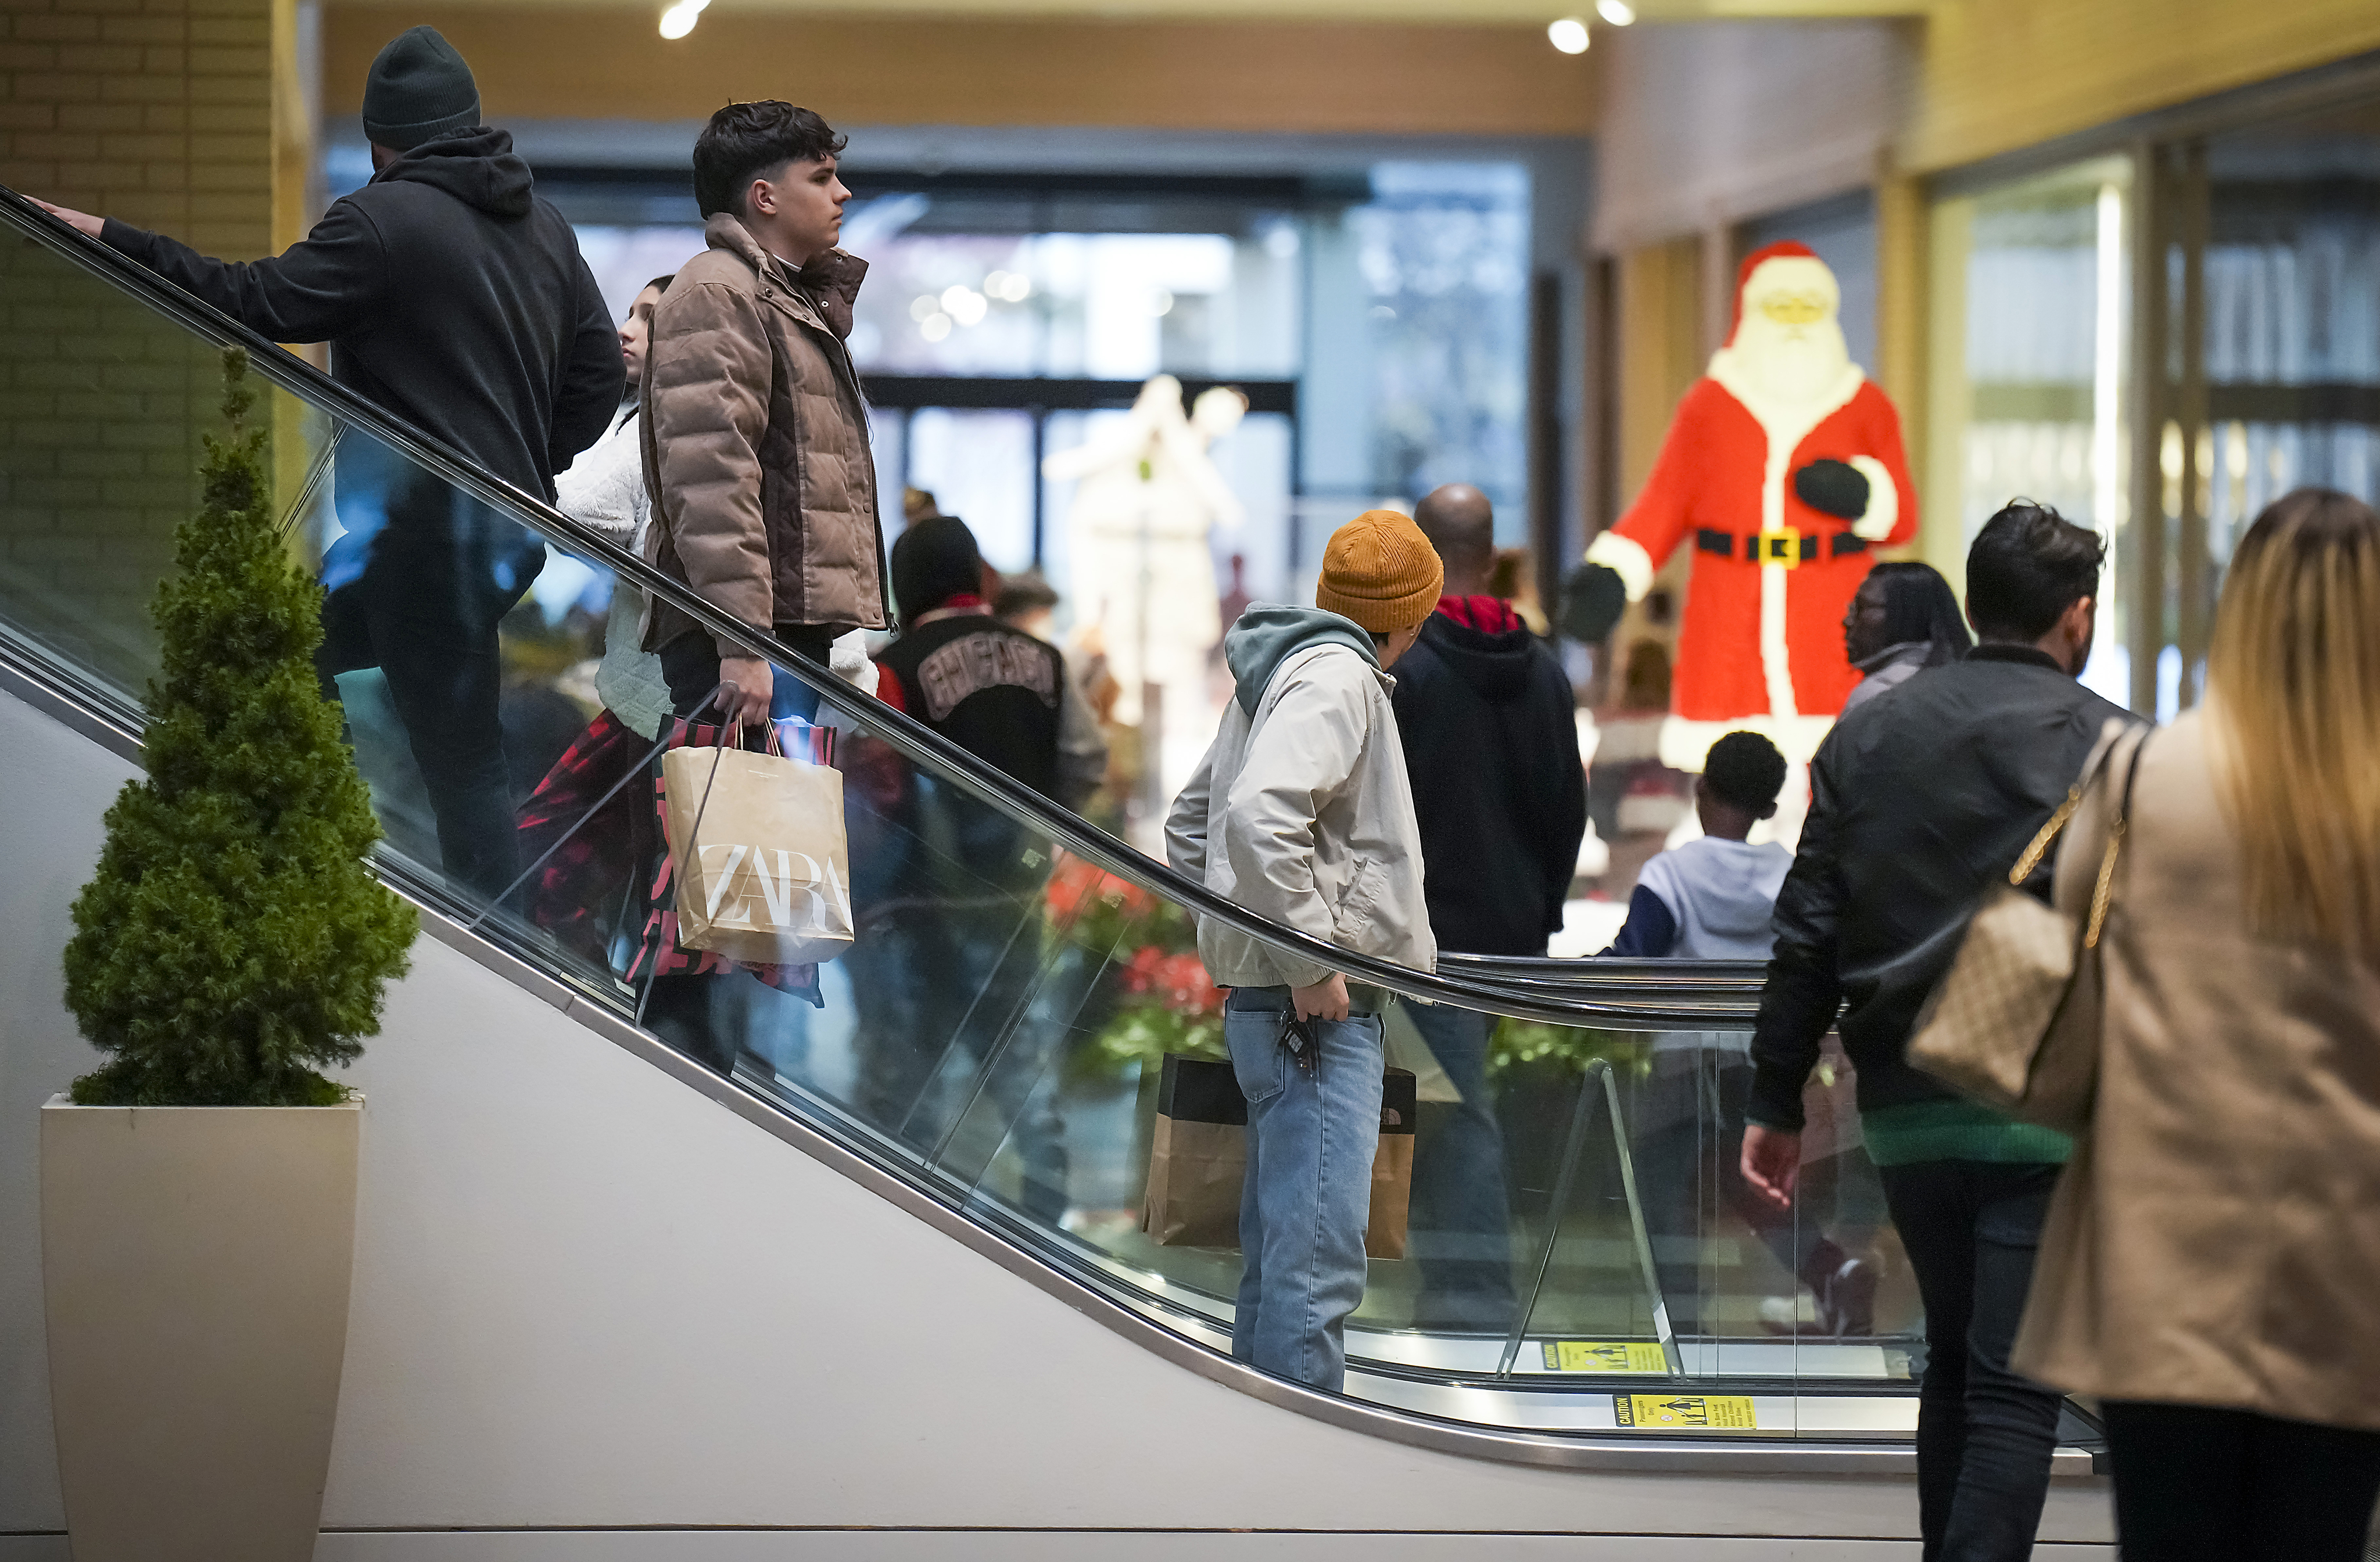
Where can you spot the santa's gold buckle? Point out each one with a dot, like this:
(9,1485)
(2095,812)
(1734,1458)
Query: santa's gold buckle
(1782,546)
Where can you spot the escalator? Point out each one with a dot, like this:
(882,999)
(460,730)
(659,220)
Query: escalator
(988,1052)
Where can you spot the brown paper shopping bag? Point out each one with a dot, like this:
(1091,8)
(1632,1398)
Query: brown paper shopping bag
(1199,1156)
(1197,1159)
(763,871)
(1392,1165)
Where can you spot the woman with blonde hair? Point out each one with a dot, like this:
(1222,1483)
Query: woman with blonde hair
(2211,1265)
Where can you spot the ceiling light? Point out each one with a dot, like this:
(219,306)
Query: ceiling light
(678,20)
(1569,35)
(1619,13)
(933,328)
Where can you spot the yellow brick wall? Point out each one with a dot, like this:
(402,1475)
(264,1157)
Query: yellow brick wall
(156,111)
(160,112)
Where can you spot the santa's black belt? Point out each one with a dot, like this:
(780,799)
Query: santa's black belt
(1786,545)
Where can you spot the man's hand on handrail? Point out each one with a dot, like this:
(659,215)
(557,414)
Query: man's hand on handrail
(81,222)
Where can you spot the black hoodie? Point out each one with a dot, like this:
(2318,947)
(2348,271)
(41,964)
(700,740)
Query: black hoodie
(1490,732)
(451,295)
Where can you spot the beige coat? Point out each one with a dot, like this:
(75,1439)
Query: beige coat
(1304,815)
(756,442)
(2216,1239)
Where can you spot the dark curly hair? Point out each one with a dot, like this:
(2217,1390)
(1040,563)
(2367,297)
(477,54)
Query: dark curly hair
(746,141)
(1747,769)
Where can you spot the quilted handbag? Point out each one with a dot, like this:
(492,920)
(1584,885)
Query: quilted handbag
(2015,1024)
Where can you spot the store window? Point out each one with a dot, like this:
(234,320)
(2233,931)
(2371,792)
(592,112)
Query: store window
(2293,316)
(2027,369)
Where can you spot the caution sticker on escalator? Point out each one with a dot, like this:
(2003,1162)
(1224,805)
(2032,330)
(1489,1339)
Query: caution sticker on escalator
(1605,1355)
(1683,1413)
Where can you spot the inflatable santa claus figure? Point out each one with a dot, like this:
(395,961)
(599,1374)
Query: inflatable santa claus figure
(1784,472)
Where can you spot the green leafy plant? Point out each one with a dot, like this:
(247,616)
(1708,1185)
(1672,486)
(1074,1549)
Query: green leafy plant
(233,942)
(1518,1043)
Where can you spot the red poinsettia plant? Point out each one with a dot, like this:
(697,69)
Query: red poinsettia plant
(1163,999)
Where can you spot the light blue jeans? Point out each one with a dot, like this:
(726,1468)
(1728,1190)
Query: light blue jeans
(1308,1193)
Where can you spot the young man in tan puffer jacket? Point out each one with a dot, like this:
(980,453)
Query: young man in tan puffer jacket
(1301,814)
(755,435)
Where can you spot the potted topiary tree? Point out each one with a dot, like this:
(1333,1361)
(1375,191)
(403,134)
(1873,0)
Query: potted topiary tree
(198,1190)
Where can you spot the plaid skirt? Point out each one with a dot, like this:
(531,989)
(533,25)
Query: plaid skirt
(612,870)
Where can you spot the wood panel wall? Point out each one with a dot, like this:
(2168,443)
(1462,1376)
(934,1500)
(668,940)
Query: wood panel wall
(1706,123)
(1995,75)
(601,62)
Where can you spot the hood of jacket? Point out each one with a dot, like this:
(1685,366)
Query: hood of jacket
(830,282)
(475,166)
(1723,894)
(1494,666)
(1270,632)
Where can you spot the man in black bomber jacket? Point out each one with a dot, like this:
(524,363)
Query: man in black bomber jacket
(1919,800)
(1490,730)
(456,300)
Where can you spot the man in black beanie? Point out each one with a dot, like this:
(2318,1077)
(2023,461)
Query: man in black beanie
(939,964)
(456,299)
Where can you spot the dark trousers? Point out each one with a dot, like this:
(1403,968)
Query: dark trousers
(1459,1225)
(1984,1435)
(2198,1484)
(1689,1171)
(421,598)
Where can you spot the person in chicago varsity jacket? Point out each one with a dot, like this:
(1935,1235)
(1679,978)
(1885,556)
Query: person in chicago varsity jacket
(946,881)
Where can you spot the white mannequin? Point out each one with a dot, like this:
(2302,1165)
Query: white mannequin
(1146,495)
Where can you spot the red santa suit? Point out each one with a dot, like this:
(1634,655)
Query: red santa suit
(1762,643)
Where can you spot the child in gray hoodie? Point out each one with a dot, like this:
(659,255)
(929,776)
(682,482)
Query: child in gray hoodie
(1714,898)
(1301,813)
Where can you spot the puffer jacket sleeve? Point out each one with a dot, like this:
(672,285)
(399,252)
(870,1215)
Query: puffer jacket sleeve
(604,488)
(709,370)
(1299,757)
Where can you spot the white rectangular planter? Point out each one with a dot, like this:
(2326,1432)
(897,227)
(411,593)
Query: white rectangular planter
(195,1267)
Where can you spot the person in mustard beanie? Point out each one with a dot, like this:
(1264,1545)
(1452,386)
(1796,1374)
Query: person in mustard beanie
(1301,812)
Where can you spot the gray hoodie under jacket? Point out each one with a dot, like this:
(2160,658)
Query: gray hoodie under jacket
(1300,812)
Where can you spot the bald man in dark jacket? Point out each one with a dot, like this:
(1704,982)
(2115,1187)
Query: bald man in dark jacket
(1490,730)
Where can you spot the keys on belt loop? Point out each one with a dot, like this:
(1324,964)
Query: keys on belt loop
(1298,1036)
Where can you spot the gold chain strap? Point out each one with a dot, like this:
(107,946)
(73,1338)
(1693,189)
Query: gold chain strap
(2048,837)
(2105,891)
(2103,894)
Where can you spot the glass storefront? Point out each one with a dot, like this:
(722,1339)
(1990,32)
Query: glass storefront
(2159,343)
(2028,365)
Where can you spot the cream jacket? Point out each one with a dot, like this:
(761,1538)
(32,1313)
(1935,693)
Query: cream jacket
(1303,815)
(2216,1239)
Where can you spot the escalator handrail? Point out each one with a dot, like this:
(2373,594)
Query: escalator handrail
(1681,997)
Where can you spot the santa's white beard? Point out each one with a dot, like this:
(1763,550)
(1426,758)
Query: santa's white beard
(1791,363)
